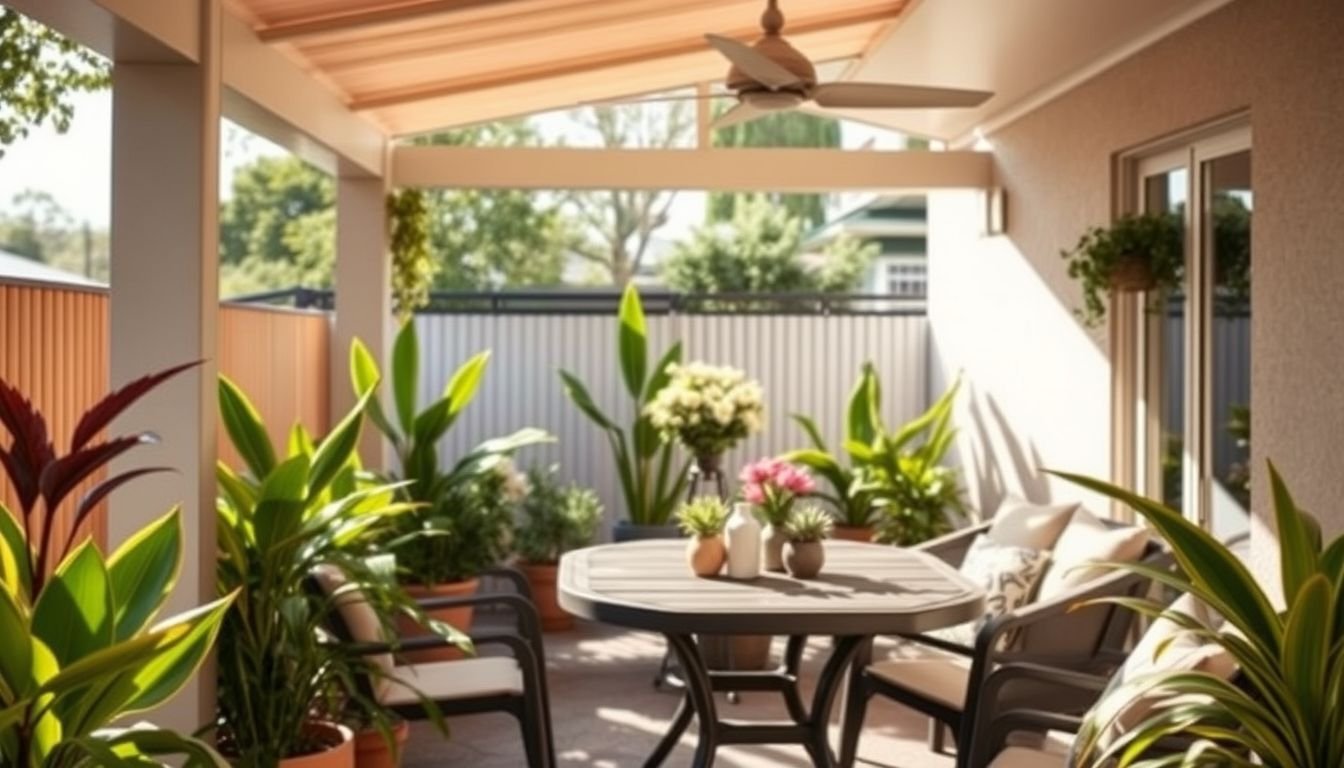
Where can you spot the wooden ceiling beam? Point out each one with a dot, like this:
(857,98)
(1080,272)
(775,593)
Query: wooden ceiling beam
(326,23)
(604,60)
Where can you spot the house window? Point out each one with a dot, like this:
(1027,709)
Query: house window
(1189,357)
(907,280)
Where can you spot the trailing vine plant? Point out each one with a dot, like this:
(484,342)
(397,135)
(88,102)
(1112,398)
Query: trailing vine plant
(408,236)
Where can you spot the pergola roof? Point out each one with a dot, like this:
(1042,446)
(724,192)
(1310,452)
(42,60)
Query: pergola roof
(417,65)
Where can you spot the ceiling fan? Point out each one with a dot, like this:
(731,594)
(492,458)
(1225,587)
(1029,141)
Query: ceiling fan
(771,75)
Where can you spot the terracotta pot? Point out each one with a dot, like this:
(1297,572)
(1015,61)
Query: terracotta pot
(862,533)
(457,617)
(372,750)
(341,753)
(772,548)
(804,558)
(541,578)
(1132,274)
(736,652)
(706,554)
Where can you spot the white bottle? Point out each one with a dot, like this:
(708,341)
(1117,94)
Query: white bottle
(744,543)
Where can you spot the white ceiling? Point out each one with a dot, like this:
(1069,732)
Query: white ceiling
(1022,50)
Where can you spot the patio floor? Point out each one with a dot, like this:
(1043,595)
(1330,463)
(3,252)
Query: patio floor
(607,714)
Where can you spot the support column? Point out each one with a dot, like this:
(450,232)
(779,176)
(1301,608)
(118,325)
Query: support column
(164,302)
(363,295)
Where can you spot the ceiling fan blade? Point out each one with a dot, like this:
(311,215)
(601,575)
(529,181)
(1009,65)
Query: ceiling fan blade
(742,113)
(617,100)
(756,66)
(893,96)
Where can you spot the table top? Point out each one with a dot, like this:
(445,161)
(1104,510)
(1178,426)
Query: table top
(864,589)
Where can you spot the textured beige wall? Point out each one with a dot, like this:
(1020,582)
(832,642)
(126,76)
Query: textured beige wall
(997,305)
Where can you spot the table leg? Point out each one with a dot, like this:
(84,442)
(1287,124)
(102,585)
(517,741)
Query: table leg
(823,698)
(680,720)
(700,694)
(793,661)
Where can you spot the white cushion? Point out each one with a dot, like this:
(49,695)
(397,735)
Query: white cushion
(1022,757)
(1086,539)
(361,621)
(448,680)
(1008,575)
(940,677)
(1020,523)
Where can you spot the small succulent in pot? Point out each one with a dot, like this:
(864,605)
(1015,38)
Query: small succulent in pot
(703,520)
(806,528)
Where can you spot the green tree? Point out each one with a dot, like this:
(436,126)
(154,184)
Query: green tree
(487,238)
(760,251)
(278,229)
(618,224)
(40,72)
(780,129)
(35,225)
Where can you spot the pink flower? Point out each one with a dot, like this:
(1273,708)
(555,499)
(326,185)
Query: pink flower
(762,471)
(753,493)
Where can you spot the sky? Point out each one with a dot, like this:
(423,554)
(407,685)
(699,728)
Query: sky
(75,168)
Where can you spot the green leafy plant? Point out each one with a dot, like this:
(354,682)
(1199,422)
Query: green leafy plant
(809,523)
(1152,239)
(704,516)
(81,646)
(278,524)
(651,478)
(458,525)
(890,482)
(554,519)
(42,73)
(408,239)
(1284,711)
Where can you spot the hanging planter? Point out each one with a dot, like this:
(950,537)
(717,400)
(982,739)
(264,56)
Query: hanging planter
(1135,254)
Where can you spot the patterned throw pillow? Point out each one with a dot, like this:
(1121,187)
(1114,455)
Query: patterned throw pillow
(1009,576)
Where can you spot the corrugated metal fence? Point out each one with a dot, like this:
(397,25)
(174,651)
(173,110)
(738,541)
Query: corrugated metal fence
(806,363)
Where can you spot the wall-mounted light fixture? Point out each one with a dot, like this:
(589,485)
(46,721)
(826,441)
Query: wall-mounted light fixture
(996,211)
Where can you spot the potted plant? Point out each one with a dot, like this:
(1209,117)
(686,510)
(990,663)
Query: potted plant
(462,516)
(552,520)
(806,529)
(279,523)
(1283,711)
(773,485)
(652,480)
(702,520)
(1138,252)
(708,409)
(81,644)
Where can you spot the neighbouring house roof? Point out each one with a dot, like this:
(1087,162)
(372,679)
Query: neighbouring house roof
(19,267)
(898,222)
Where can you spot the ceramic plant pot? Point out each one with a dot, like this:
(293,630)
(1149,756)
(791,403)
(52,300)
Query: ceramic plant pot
(863,533)
(372,750)
(340,752)
(706,555)
(541,579)
(772,548)
(458,617)
(1131,274)
(804,558)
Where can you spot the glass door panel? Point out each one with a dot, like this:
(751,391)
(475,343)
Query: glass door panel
(1168,466)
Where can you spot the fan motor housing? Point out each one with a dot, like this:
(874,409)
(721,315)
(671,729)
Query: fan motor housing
(776,49)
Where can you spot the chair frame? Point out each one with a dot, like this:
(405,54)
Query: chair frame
(985,656)
(531,708)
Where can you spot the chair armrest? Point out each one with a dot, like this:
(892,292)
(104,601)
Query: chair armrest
(951,548)
(514,576)
(529,623)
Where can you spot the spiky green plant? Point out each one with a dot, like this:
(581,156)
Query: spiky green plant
(809,523)
(703,517)
(1285,711)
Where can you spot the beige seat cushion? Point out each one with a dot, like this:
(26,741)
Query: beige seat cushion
(448,680)
(1021,523)
(936,676)
(1022,757)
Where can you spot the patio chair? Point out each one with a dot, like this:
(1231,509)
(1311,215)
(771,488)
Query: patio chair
(514,683)
(945,679)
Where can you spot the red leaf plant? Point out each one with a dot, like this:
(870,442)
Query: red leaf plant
(38,474)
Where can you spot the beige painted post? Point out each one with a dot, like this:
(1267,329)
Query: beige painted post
(363,294)
(164,302)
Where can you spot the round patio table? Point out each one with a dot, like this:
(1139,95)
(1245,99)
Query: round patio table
(864,590)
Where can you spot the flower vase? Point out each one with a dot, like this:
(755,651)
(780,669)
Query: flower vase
(772,548)
(743,536)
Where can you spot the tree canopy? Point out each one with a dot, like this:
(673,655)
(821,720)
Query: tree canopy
(278,229)
(40,71)
(760,250)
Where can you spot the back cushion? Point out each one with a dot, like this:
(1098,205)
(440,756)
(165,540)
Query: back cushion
(1020,523)
(360,621)
(1008,574)
(1085,540)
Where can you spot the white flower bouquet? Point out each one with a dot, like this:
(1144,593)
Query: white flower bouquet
(708,408)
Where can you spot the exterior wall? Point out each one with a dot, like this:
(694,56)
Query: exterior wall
(999,306)
(807,364)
